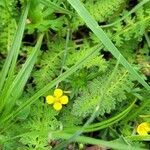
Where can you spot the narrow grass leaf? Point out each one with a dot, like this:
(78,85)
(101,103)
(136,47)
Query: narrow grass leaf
(19,82)
(138,138)
(14,50)
(89,140)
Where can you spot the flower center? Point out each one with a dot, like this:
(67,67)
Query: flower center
(57,99)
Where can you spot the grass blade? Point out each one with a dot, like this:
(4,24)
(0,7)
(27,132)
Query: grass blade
(20,80)
(88,140)
(138,138)
(14,50)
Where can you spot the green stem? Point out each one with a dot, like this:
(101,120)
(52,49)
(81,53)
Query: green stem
(65,53)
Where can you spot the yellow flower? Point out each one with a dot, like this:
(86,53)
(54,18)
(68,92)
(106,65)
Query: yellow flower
(58,99)
(143,128)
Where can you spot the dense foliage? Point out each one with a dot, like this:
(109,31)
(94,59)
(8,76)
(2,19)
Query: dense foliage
(55,39)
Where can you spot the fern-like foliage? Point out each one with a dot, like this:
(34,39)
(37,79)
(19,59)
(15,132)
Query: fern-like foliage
(96,60)
(104,8)
(132,28)
(49,64)
(42,120)
(116,92)
(8,23)
(143,60)
(101,10)
(33,131)
(68,119)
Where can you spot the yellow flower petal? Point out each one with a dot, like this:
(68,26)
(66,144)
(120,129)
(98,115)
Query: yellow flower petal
(50,99)
(64,99)
(143,128)
(147,126)
(58,93)
(57,106)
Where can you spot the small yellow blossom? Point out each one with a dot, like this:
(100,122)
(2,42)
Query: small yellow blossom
(50,99)
(58,99)
(64,99)
(143,128)
(57,106)
(58,93)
